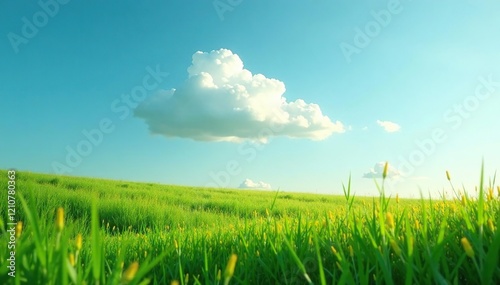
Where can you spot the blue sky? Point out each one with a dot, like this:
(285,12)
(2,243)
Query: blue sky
(415,83)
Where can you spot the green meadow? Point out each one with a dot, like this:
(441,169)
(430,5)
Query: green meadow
(94,231)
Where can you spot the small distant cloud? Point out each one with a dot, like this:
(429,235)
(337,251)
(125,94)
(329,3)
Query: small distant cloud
(378,170)
(364,128)
(249,184)
(388,126)
(222,101)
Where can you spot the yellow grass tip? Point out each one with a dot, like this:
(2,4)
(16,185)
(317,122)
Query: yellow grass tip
(72,259)
(491,226)
(448,175)
(79,241)
(386,167)
(175,282)
(60,219)
(389,220)
(333,250)
(218,275)
(490,195)
(19,229)
(467,247)
(417,225)
(129,274)
(231,264)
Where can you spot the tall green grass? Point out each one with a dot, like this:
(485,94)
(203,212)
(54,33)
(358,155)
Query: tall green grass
(135,233)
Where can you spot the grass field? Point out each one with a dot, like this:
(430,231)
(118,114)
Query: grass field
(92,231)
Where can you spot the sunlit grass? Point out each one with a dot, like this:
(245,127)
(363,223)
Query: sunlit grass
(78,230)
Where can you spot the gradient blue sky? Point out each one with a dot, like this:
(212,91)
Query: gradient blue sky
(416,71)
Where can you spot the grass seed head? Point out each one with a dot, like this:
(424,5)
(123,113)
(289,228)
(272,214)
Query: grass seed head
(60,219)
(389,220)
(491,226)
(78,241)
(19,229)
(386,168)
(448,175)
(231,264)
(490,195)
(130,272)
(333,250)
(417,225)
(467,247)
(72,259)
(464,200)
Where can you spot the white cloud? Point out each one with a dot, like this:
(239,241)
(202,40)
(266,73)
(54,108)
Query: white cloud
(222,101)
(378,170)
(388,126)
(249,184)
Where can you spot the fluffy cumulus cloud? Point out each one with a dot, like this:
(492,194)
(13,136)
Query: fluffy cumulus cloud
(388,126)
(249,184)
(222,101)
(378,170)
